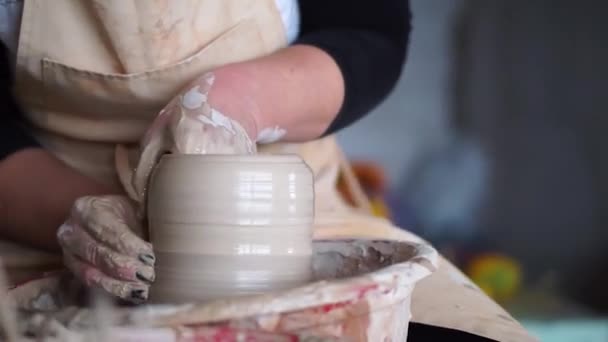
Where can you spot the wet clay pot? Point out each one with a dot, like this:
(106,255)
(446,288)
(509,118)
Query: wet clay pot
(225,225)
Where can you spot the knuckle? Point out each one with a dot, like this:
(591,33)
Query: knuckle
(82,202)
(122,203)
(64,233)
(102,202)
(114,259)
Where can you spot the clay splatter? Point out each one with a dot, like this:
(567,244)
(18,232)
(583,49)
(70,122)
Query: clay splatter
(270,135)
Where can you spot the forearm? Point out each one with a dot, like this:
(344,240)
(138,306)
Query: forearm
(36,194)
(298,89)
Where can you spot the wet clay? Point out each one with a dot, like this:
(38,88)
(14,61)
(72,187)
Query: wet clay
(228,225)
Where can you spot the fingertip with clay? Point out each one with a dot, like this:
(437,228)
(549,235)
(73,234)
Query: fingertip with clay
(139,295)
(132,291)
(147,258)
(145,276)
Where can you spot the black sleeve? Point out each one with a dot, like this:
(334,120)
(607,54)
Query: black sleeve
(13,137)
(367,39)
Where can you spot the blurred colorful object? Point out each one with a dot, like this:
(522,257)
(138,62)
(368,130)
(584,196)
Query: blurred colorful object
(372,178)
(380,208)
(587,330)
(499,276)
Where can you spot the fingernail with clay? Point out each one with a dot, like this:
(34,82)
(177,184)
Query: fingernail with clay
(139,295)
(144,277)
(147,259)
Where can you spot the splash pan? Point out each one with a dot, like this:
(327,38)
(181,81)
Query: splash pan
(361,292)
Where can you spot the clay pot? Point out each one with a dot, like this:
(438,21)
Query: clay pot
(226,225)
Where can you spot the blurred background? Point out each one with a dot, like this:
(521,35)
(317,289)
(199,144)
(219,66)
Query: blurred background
(493,146)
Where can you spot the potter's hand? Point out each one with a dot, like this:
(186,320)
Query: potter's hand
(292,95)
(191,124)
(102,248)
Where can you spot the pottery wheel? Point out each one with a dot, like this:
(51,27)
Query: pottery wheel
(347,273)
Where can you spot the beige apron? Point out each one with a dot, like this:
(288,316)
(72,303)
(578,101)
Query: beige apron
(93,74)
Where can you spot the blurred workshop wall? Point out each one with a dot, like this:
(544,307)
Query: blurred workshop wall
(411,136)
(412,129)
(414,118)
(531,86)
(497,133)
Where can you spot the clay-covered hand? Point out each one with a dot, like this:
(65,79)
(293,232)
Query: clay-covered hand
(102,246)
(191,124)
